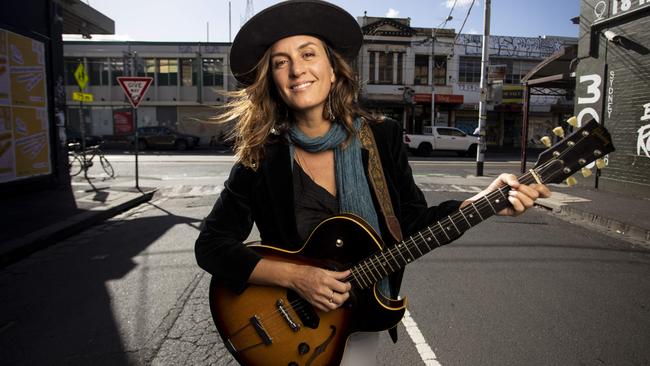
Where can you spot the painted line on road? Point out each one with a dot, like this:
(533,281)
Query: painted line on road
(426,353)
(471,163)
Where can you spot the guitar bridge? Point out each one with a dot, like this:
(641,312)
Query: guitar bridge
(259,328)
(292,324)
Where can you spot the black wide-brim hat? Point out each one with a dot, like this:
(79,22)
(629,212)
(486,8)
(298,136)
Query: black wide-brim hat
(290,18)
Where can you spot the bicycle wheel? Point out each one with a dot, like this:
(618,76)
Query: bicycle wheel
(108,168)
(75,165)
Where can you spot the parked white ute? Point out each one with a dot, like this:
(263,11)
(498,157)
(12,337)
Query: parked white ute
(442,139)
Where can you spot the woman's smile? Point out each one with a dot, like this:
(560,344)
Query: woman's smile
(301,86)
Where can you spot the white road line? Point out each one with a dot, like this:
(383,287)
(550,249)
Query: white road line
(426,353)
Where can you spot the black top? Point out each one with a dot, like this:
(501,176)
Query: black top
(313,203)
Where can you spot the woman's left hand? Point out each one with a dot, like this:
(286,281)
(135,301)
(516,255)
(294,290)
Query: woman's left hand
(521,196)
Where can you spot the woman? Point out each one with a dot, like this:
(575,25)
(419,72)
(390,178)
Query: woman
(299,158)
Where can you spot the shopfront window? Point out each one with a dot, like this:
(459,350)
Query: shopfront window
(213,72)
(168,72)
(440,70)
(400,68)
(385,64)
(147,67)
(421,70)
(97,69)
(469,70)
(117,69)
(188,72)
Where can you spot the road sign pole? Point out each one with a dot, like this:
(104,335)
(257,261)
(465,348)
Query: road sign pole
(137,146)
(134,88)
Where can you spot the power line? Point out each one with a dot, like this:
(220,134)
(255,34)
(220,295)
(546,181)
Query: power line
(449,17)
(464,21)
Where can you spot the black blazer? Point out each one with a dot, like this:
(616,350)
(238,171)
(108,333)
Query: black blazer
(265,197)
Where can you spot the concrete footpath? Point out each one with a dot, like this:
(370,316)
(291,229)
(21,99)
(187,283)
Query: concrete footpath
(37,220)
(41,219)
(624,216)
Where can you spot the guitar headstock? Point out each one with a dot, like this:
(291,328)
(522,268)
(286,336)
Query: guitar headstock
(574,152)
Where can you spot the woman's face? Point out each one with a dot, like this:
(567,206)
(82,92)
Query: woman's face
(302,72)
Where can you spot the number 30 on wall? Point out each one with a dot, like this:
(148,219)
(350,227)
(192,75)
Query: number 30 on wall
(593,95)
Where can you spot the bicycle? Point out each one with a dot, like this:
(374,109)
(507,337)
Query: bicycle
(79,161)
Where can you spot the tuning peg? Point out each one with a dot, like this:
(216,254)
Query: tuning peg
(573,121)
(546,141)
(585,172)
(559,131)
(600,163)
(571,181)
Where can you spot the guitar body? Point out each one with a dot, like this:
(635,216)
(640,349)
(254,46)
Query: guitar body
(268,325)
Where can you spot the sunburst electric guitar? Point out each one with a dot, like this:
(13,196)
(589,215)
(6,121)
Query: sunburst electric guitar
(268,325)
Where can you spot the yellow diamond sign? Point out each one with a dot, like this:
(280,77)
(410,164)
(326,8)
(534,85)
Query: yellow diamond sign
(81,76)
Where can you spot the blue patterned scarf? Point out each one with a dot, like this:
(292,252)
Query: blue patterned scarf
(351,183)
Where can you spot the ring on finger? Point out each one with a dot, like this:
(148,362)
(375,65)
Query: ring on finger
(331,297)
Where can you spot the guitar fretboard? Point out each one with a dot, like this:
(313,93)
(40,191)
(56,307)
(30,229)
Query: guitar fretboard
(379,265)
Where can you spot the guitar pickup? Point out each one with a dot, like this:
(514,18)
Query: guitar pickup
(285,314)
(259,328)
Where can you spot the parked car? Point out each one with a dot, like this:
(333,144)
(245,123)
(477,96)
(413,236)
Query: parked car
(442,139)
(165,137)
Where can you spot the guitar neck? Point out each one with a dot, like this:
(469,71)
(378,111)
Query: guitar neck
(379,265)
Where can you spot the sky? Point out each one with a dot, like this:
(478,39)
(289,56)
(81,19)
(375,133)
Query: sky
(187,20)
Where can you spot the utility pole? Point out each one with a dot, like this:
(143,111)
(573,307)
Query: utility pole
(433,79)
(482,109)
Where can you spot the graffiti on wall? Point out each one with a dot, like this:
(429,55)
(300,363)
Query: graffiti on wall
(506,46)
(643,140)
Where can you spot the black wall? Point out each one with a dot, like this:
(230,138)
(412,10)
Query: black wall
(620,71)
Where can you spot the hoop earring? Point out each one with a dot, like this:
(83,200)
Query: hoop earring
(330,115)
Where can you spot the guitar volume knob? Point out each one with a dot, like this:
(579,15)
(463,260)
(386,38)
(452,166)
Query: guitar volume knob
(303,348)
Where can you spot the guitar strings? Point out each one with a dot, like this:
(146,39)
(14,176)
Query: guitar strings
(416,242)
(298,304)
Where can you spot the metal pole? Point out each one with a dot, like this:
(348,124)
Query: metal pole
(433,81)
(137,143)
(524,129)
(134,113)
(82,132)
(482,109)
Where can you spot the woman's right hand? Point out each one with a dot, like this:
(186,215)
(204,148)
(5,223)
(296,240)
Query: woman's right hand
(326,290)
(322,288)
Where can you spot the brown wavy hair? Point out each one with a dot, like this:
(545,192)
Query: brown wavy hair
(259,110)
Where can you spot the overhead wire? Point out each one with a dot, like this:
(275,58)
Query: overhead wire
(464,21)
(444,24)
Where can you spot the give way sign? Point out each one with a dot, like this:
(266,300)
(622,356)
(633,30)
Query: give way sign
(135,87)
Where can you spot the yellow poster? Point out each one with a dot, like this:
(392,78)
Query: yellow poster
(31,141)
(24,125)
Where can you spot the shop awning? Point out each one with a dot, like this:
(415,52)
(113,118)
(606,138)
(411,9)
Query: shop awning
(554,71)
(79,18)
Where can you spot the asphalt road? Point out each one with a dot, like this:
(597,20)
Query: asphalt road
(531,290)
